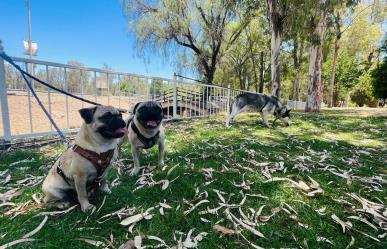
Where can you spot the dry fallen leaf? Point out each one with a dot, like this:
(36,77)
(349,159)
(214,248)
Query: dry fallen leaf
(165,185)
(156,239)
(223,230)
(365,221)
(322,239)
(15,242)
(136,218)
(96,243)
(56,212)
(351,243)
(195,206)
(7,196)
(37,229)
(295,218)
(231,217)
(128,245)
(137,242)
(345,225)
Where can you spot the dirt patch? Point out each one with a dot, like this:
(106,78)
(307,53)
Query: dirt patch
(22,124)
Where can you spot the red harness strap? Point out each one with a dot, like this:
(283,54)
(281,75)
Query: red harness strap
(100,161)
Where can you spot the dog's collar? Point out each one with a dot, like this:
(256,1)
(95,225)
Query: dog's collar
(99,160)
(129,121)
(147,142)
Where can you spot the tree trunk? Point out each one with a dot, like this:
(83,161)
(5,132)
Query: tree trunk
(347,98)
(297,85)
(261,73)
(275,63)
(254,70)
(276,35)
(297,56)
(241,81)
(334,63)
(314,98)
(209,76)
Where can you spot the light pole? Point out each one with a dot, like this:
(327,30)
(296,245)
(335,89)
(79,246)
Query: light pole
(29,29)
(30,48)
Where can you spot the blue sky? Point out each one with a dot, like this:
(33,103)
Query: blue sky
(93,32)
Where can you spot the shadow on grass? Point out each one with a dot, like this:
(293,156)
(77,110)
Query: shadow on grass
(194,145)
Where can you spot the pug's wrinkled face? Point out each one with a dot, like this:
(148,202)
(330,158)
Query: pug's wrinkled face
(149,114)
(105,120)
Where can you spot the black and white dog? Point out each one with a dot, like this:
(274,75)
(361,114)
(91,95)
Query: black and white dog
(259,103)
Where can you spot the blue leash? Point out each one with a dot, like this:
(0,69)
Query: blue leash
(10,61)
(23,73)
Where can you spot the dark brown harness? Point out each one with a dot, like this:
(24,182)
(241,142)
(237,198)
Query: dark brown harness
(100,162)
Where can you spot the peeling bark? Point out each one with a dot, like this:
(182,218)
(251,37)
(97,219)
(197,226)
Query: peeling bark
(261,74)
(315,85)
(334,63)
(275,64)
(276,21)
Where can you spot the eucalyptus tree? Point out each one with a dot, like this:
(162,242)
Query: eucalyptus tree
(319,20)
(358,36)
(243,65)
(200,27)
(297,39)
(337,27)
(361,32)
(282,14)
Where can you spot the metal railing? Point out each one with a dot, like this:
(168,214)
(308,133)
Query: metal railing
(22,118)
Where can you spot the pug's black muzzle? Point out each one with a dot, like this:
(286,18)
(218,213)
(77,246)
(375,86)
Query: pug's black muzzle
(150,117)
(114,127)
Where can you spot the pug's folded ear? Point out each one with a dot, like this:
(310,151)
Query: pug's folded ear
(133,110)
(87,114)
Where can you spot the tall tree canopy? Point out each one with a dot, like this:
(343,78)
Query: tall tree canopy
(317,51)
(199,27)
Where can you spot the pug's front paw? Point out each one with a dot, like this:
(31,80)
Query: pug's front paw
(134,171)
(86,207)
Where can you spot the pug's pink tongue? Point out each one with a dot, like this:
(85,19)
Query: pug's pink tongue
(151,123)
(122,130)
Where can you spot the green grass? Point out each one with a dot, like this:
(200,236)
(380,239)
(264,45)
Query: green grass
(196,144)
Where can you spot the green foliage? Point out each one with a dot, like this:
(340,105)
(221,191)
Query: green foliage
(379,80)
(75,79)
(240,67)
(156,87)
(126,87)
(199,27)
(362,34)
(362,94)
(379,75)
(349,72)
